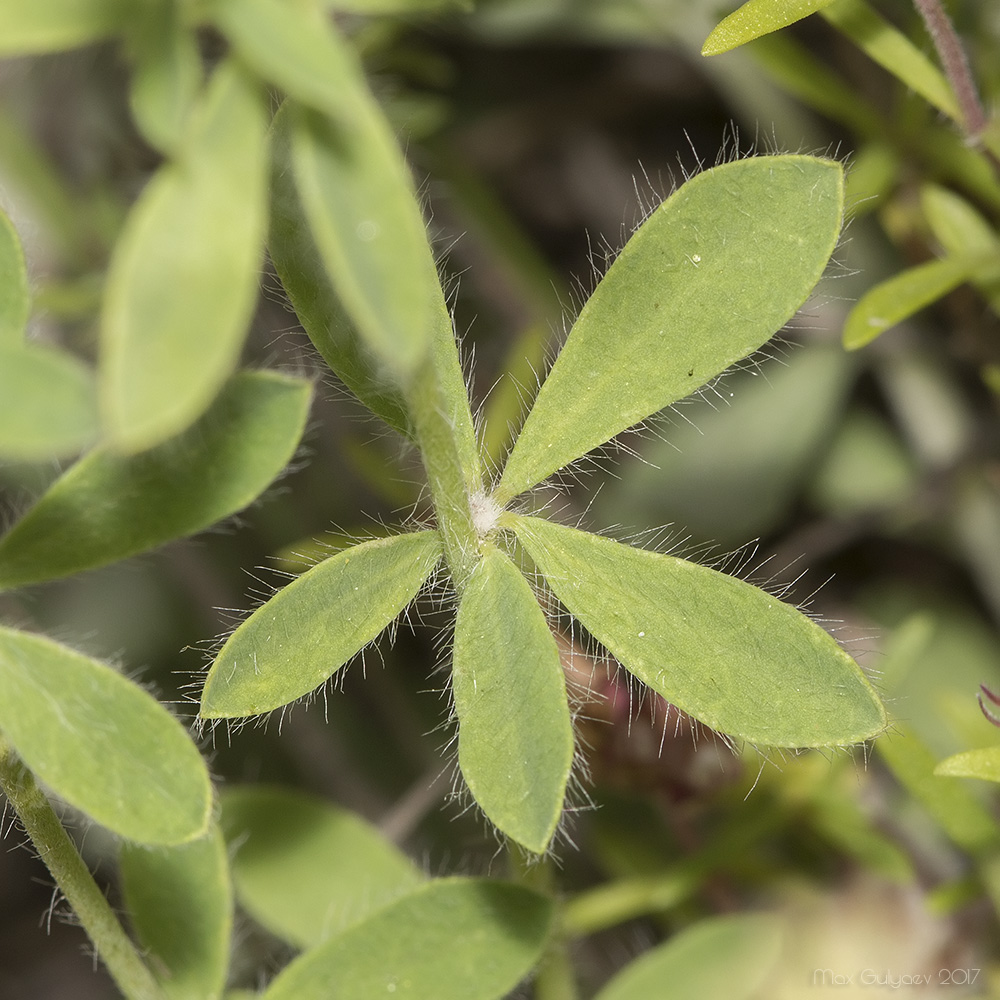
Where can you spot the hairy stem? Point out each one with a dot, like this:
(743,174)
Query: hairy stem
(74,880)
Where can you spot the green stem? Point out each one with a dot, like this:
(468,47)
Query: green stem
(74,880)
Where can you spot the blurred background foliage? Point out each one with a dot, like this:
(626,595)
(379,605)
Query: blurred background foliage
(540,132)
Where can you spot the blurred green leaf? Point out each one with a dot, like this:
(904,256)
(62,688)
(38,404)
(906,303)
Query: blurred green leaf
(755,18)
(873,172)
(375,7)
(342,869)
(35,26)
(983,763)
(729,654)
(515,737)
(297,49)
(960,229)
(110,506)
(183,276)
(451,939)
(101,742)
(15,301)
(179,901)
(902,295)
(705,281)
(48,403)
(167,75)
(719,958)
(311,628)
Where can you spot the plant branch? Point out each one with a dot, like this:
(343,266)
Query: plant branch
(74,879)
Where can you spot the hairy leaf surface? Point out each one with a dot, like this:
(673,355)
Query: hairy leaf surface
(15,302)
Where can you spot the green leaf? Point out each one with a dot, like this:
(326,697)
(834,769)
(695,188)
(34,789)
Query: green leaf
(110,506)
(899,297)
(451,939)
(892,50)
(15,301)
(756,18)
(341,867)
(515,737)
(101,742)
(720,266)
(295,48)
(729,654)
(48,403)
(179,900)
(183,276)
(983,763)
(359,201)
(167,76)
(316,304)
(956,225)
(719,958)
(376,7)
(312,627)
(30,26)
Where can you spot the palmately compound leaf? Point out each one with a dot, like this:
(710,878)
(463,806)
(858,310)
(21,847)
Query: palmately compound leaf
(180,903)
(15,302)
(450,939)
(109,506)
(315,625)
(710,276)
(184,274)
(101,742)
(515,736)
(756,18)
(724,651)
(720,958)
(48,403)
(342,869)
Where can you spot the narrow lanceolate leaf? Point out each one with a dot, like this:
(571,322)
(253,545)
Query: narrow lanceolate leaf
(983,763)
(311,628)
(361,208)
(15,303)
(721,958)
(100,742)
(179,901)
(451,939)
(297,49)
(317,306)
(342,868)
(515,737)
(48,403)
(30,26)
(167,75)
(727,653)
(717,269)
(109,506)
(957,226)
(904,294)
(183,277)
(756,18)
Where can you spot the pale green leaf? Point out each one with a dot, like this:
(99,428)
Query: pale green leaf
(110,506)
(719,958)
(48,403)
(713,273)
(179,901)
(295,48)
(902,295)
(515,737)
(183,276)
(377,7)
(316,304)
(451,939)
(101,742)
(960,229)
(983,763)
(727,653)
(30,26)
(311,628)
(892,50)
(167,76)
(342,868)
(756,18)
(358,198)
(15,302)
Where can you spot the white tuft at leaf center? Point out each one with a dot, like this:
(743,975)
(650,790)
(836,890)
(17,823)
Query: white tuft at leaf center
(485,512)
